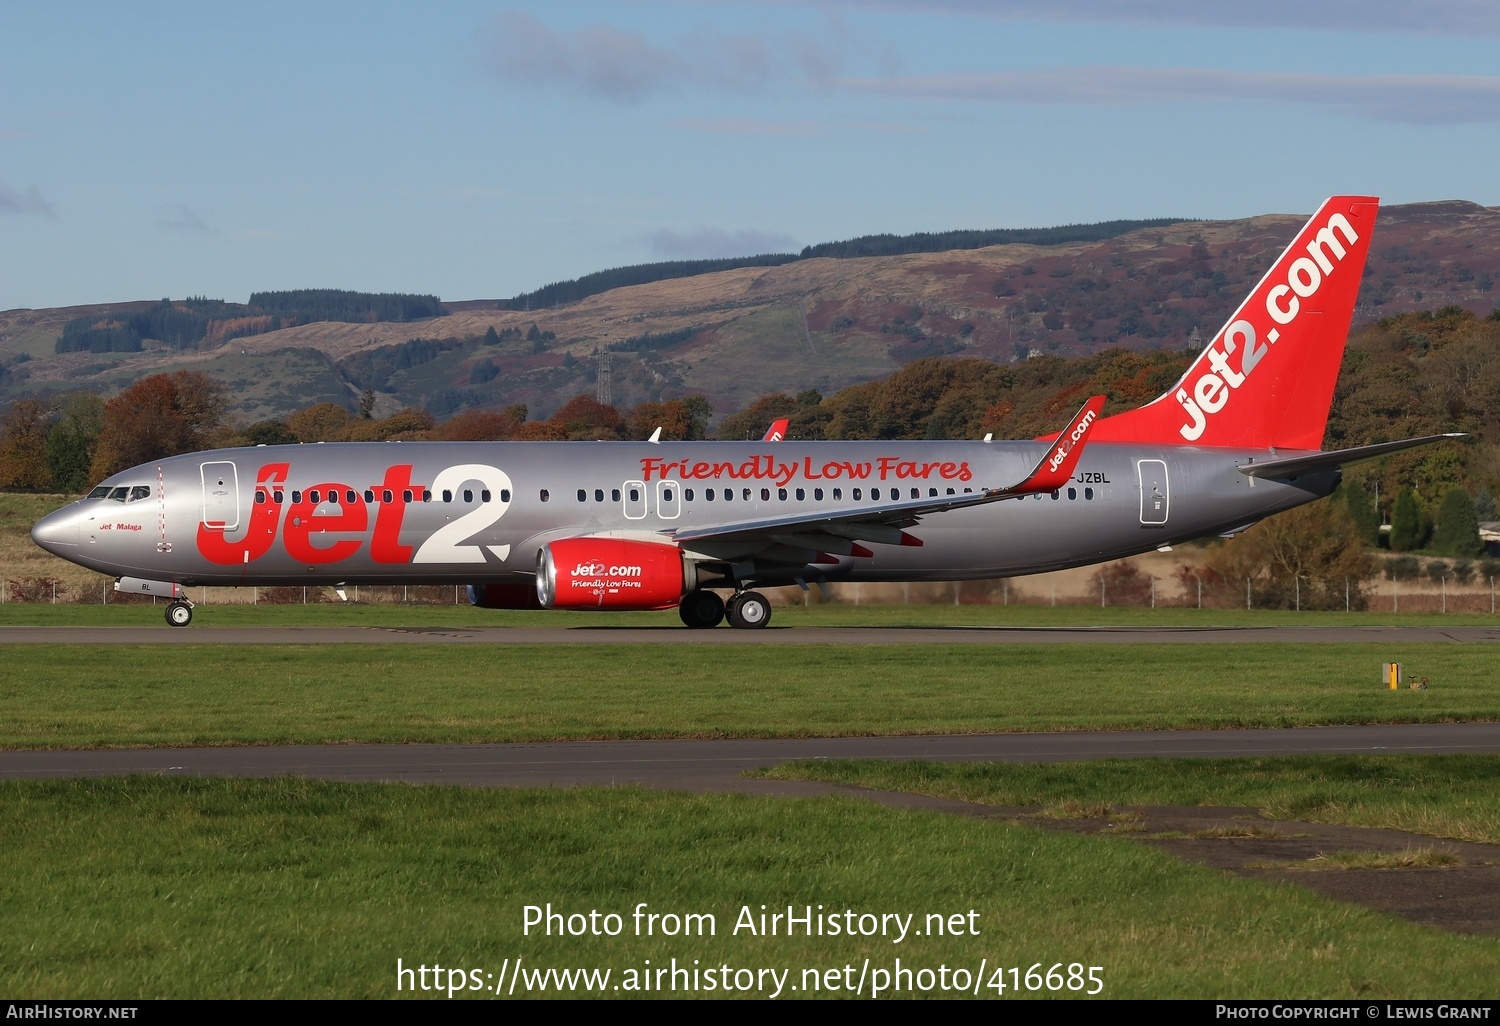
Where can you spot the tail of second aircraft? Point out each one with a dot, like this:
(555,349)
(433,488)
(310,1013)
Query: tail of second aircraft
(1267,377)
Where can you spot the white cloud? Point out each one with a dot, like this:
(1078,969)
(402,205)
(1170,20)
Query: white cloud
(31,201)
(1414,99)
(1430,17)
(178,217)
(705,242)
(627,67)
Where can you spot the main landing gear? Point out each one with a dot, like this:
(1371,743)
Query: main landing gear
(749,609)
(702,609)
(179,614)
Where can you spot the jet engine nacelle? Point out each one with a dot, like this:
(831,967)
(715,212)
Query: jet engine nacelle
(611,573)
(504,596)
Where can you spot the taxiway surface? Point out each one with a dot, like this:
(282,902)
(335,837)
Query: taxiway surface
(719,765)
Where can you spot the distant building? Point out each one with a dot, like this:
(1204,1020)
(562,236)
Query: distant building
(1194,341)
(1489,537)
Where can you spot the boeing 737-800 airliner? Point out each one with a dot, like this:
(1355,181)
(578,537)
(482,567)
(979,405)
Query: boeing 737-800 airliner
(647,525)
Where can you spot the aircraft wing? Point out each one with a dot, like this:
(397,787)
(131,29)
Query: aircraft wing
(836,531)
(1292,466)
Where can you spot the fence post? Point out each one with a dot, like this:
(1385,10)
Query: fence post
(1054,594)
(1153,593)
(1346,594)
(1005,591)
(304,594)
(1101,593)
(1200,590)
(1444,586)
(1247,593)
(1296,594)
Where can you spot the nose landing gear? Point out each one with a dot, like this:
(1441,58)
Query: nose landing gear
(180,614)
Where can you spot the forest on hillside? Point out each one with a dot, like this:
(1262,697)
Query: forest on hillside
(187,323)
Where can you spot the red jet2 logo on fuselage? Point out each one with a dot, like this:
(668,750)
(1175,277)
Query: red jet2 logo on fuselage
(303,523)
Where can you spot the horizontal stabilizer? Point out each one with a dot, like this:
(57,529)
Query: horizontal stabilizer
(1292,466)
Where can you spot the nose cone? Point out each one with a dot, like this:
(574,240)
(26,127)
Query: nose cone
(58,532)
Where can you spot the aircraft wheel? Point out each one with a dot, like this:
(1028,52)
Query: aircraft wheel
(749,610)
(701,609)
(179,614)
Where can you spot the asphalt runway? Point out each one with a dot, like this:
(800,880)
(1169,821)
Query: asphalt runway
(560,635)
(718,765)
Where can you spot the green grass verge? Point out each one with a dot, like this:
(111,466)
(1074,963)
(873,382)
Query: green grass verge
(1438,795)
(381,614)
(123,695)
(154,888)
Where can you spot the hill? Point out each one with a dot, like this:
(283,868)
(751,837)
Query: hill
(821,322)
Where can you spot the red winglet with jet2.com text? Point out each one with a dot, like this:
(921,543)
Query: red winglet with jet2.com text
(1056,468)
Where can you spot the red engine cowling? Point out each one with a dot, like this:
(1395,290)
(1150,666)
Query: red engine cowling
(610,573)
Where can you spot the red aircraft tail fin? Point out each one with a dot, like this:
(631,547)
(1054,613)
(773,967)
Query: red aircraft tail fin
(777,431)
(1267,377)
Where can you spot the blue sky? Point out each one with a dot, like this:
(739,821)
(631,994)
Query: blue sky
(476,150)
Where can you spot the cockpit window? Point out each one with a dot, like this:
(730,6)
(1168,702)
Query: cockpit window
(99,492)
(139,492)
(118,494)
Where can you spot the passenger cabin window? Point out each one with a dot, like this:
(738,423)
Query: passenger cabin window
(1088,493)
(369,496)
(296,495)
(546,495)
(916,493)
(484,496)
(729,495)
(278,495)
(614,495)
(801,494)
(468,495)
(386,496)
(406,495)
(314,497)
(818,494)
(874,493)
(838,493)
(746,495)
(857,495)
(635,495)
(781,494)
(599,495)
(765,495)
(260,497)
(708,493)
(687,493)
(505,495)
(1072,494)
(666,495)
(447,495)
(583,495)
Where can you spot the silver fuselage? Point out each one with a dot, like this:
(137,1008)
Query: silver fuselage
(477,512)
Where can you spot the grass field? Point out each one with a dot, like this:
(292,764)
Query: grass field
(322,613)
(1454,796)
(127,695)
(209,888)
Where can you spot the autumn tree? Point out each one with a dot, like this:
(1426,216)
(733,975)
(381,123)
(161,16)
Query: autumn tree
(162,415)
(679,419)
(480,425)
(584,417)
(321,422)
(1304,556)
(23,446)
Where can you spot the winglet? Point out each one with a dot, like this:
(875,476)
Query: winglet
(1056,468)
(777,431)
